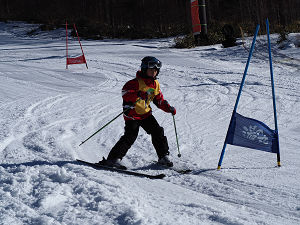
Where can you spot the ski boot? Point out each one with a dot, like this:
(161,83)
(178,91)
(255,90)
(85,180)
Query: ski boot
(165,161)
(115,163)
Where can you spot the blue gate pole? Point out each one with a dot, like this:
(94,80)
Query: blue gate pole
(273,93)
(246,68)
(239,94)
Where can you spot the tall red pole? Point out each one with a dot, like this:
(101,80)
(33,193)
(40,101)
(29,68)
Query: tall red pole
(80,46)
(196,26)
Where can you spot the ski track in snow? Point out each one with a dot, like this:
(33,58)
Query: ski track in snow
(46,111)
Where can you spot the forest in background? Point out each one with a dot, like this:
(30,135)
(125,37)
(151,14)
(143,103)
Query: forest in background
(152,18)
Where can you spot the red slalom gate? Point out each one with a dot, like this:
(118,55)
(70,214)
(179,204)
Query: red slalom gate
(74,60)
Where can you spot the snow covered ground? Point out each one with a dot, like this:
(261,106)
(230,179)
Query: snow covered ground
(46,111)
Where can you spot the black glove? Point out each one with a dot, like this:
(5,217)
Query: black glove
(127,106)
(172,110)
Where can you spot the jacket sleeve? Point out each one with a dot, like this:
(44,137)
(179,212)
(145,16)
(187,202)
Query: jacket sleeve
(130,91)
(161,103)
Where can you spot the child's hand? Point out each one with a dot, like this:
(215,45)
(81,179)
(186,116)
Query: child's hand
(172,110)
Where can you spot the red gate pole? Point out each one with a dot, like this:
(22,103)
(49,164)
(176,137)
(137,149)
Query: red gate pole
(80,46)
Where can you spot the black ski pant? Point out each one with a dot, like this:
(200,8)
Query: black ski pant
(151,126)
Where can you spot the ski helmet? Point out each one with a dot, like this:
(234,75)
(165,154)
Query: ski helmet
(150,62)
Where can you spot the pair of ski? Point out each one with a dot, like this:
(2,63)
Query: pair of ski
(133,173)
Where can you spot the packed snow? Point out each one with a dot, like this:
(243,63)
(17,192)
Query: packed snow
(48,110)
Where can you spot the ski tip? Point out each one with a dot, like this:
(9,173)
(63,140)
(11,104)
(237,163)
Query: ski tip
(185,171)
(159,176)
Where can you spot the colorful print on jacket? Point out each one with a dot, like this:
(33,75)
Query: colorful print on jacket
(141,109)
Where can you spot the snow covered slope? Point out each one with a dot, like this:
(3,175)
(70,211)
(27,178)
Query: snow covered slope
(46,111)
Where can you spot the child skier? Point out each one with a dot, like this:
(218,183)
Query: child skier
(137,95)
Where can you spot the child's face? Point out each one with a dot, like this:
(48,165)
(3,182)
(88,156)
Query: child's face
(152,72)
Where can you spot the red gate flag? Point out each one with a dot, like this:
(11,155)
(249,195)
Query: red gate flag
(195,17)
(74,60)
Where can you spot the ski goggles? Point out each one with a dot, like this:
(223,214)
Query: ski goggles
(154,64)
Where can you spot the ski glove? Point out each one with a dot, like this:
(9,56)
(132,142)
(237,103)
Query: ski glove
(172,110)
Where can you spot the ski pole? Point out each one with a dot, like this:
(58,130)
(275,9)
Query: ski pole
(179,155)
(108,123)
(104,126)
(150,90)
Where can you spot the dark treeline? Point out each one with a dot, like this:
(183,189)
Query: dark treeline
(281,13)
(149,18)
